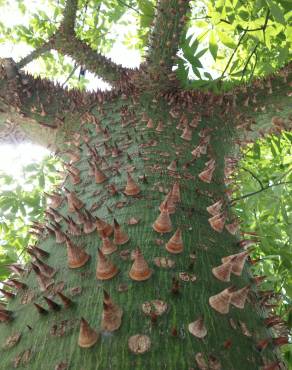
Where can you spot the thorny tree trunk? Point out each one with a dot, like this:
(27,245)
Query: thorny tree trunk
(130,153)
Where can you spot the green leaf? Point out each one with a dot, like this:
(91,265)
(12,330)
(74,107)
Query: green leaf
(256,151)
(244,15)
(289,320)
(22,7)
(42,180)
(22,209)
(289,290)
(181,72)
(196,72)
(201,24)
(234,65)
(284,54)
(288,136)
(284,214)
(226,40)
(276,11)
(207,74)
(146,7)
(213,47)
(201,53)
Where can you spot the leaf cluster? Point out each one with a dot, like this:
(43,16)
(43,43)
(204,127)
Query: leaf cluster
(234,40)
(21,202)
(268,214)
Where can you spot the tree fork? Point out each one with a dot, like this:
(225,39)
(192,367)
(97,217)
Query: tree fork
(66,42)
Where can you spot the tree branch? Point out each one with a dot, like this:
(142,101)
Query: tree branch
(254,176)
(248,60)
(254,67)
(47,46)
(232,55)
(263,27)
(264,107)
(285,174)
(129,6)
(92,61)
(69,18)
(259,191)
(70,74)
(266,22)
(169,21)
(66,42)
(36,109)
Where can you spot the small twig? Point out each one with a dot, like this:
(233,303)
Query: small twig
(266,23)
(48,125)
(232,55)
(70,74)
(248,60)
(131,7)
(263,27)
(254,176)
(259,191)
(205,17)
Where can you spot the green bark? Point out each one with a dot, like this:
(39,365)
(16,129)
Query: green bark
(144,151)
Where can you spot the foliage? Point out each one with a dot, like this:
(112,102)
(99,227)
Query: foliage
(224,39)
(268,214)
(96,20)
(244,38)
(21,202)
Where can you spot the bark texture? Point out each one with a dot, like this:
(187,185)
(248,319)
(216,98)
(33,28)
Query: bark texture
(155,140)
(156,163)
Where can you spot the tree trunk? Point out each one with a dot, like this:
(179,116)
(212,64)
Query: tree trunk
(171,287)
(145,145)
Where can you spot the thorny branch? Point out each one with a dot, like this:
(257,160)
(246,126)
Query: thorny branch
(66,42)
(165,34)
(69,18)
(47,46)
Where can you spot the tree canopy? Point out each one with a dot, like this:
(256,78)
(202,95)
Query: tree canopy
(220,41)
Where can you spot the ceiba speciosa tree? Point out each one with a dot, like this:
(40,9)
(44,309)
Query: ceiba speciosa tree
(140,264)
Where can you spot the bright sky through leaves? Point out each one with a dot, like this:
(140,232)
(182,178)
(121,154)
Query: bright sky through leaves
(11,16)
